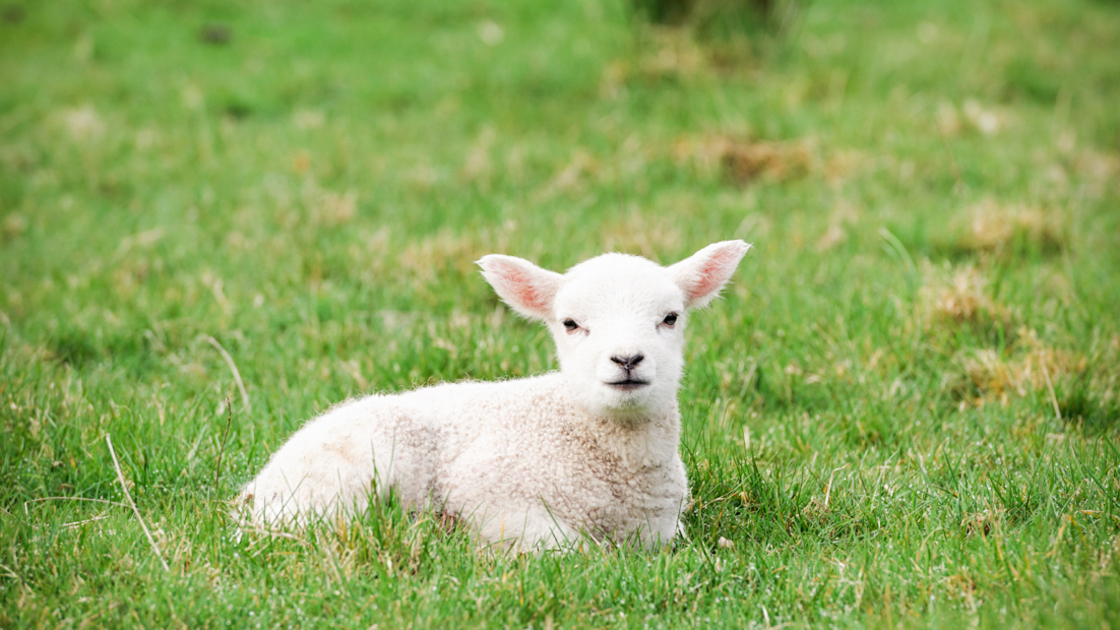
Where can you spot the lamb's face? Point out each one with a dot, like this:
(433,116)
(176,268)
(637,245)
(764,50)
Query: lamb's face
(618,320)
(618,323)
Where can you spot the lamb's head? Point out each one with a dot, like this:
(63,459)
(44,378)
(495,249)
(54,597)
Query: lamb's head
(618,320)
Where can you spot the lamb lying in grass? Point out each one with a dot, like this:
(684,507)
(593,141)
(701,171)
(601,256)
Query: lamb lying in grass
(589,452)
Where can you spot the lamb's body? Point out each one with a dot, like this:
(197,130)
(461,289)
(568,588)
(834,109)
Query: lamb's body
(589,452)
(516,458)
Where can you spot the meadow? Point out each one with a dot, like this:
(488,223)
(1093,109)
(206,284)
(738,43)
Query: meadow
(219,218)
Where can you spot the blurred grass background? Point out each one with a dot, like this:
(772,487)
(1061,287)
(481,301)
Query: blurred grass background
(903,413)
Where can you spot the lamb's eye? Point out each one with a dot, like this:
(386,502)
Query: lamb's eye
(670,319)
(570,324)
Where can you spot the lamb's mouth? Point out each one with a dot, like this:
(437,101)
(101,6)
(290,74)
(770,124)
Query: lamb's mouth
(628,385)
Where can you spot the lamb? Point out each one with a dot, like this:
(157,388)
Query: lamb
(546,462)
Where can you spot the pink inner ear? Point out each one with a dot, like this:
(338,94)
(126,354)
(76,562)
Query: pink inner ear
(713,274)
(520,288)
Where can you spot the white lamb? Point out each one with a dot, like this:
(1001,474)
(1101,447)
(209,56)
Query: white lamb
(589,452)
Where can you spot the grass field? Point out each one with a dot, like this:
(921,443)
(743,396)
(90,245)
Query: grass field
(904,412)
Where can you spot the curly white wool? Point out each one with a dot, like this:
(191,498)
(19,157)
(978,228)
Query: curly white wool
(586,453)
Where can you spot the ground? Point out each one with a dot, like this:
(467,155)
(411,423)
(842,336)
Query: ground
(903,412)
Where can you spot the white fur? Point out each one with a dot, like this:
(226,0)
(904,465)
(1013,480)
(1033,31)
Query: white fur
(536,462)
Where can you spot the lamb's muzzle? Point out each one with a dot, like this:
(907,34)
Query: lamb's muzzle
(586,453)
(628,363)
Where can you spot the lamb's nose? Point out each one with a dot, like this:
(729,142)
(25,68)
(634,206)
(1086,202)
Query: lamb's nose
(628,363)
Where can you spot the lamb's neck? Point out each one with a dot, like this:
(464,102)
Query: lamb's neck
(640,441)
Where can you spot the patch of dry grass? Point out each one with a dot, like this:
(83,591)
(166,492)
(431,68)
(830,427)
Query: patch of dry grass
(431,257)
(642,234)
(983,522)
(995,228)
(1010,360)
(573,177)
(1028,367)
(746,162)
(1099,170)
(742,162)
(329,208)
(671,53)
(663,54)
(959,298)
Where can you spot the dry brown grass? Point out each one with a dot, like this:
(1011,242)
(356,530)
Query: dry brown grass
(331,209)
(843,214)
(1026,367)
(841,165)
(426,258)
(478,167)
(983,522)
(671,53)
(970,116)
(1099,171)
(996,228)
(84,123)
(996,376)
(1022,365)
(436,254)
(13,225)
(665,53)
(642,235)
(742,162)
(960,298)
(572,178)
(745,162)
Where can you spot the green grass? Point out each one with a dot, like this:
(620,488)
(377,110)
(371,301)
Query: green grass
(904,413)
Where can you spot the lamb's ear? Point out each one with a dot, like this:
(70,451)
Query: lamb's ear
(702,275)
(527,288)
